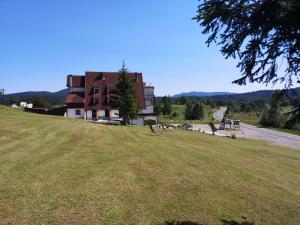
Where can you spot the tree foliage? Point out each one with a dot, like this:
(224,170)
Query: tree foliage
(194,111)
(40,102)
(166,105)
(125,98)
(271,114)
(263,35)
(183,100)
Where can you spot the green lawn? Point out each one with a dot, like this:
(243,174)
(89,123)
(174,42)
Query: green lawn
(246,117)
(253,119)
(55,170)
(180,118)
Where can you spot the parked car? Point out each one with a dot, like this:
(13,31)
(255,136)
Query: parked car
(186,126)
(222,126)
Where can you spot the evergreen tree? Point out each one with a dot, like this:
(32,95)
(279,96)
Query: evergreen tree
(13,100)
(274,111)
(271,114)
(158,108)
(183,100)
(126,96)
(188,110)
(201,111)
(166,105)
(40,102)
(260,35)
(194,111)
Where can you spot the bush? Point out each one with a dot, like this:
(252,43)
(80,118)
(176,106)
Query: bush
(194,111)
(173,115)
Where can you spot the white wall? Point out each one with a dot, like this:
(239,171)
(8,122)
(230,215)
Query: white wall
(23,104)
(89,115)
(114,113)
(101,113)
(149,90)
(72,113)
(149,109)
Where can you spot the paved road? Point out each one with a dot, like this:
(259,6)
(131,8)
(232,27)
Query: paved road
(249,131)
(220,113)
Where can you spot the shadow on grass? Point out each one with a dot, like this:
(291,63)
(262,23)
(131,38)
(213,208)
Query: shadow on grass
(224,222)
(233,222)
(181,223)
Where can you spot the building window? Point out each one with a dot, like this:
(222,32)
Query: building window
(96,100)
(149,100)
(96,90)
(77,112)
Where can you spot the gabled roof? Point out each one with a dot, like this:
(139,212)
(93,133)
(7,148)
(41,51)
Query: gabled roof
(76,97)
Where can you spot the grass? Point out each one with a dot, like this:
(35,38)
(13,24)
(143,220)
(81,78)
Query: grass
(251,118)
(180,118)
(55,170)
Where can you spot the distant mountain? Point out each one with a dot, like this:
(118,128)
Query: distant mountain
(255,95)
(54,98)
(227,96)
(201,94)
(39,93)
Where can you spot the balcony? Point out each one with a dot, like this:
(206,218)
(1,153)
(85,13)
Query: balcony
(148,84)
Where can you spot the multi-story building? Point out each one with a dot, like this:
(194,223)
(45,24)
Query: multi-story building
(92,96)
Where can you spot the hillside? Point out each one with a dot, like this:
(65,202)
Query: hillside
(201,94)
(248,96)
(55,170)
(54,98)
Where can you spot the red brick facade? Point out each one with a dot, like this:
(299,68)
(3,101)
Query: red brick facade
(95,90)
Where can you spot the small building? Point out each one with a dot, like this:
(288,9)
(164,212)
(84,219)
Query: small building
(91,97)
(26,105)
(14,105)
(23,104)
(29,105)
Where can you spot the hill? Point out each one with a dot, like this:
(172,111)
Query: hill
(55,170)
(248,96)
(54,98)
(201,94)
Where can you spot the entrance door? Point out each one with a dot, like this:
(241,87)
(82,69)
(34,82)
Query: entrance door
(94,114)
(107,113)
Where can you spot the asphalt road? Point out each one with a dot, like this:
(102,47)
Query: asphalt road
(249,131)
(220,113)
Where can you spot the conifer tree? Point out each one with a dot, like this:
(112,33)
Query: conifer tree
(126,96)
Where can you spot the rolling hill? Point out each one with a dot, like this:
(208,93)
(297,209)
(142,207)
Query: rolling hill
(201,94)
(54,98)
(248,96)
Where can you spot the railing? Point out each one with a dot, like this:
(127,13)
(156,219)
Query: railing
(148,84)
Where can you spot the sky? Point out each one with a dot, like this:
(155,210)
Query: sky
(42,41)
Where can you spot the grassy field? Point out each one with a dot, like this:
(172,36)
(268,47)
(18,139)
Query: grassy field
(253,119)
(55,170)
(180,119)
(246,117)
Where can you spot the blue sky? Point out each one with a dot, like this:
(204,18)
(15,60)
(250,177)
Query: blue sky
(43,41)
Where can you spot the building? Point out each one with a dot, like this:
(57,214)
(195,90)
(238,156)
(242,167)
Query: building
(26,105)
(92,96)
